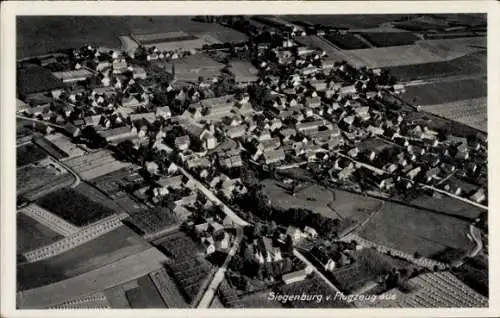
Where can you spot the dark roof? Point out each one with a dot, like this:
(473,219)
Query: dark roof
(35,79)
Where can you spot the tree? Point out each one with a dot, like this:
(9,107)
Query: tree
(289,244)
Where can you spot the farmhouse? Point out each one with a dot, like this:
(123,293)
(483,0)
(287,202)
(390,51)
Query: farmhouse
(74,75)
(274,156)
(244,72)
(309,127)
(118,134)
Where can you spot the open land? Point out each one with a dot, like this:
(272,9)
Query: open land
(74,207)
(329,203)
(474,63)
(29,153)
(445,204)
(39,35)
(445,92)
(384,39)
(470,112)
(35,181)
(127,268)
(31,234)
(347,21)
(415,230)
(89,256)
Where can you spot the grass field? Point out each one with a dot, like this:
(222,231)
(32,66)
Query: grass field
(445,92)
(415,230)
(28,153)
(40,35)
(329,203)
(89,256)
(447,205)
(474,63)
(470,112)
(384,39)
(31,234)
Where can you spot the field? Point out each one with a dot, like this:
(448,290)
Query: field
(333,204)
(445,92)
(475,275)
(28,153)
(448,49)
(111,183)
(34,79)
(446,205)
(188,266)
(49,147)
(32,182)
(168,289)
(368,266)
(31,234)
(154,220)
(391,56)
(474,63)
(423,51)
(40,35)
(346,41)
(125,269)
(433,290)
(145,295)
(24,128)
(384,39)
(413,230)
(89,256)
(470,112)
(97,196)
(347,20)
(74,207)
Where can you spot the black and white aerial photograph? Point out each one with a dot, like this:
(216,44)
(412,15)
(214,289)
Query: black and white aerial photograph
(251,161)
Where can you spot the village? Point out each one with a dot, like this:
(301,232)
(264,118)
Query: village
(199,142)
